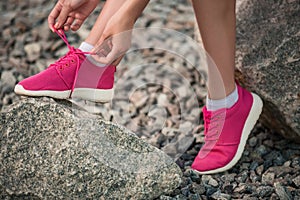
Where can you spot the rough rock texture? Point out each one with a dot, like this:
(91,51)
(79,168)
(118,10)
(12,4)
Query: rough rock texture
(53,150)
(268,39)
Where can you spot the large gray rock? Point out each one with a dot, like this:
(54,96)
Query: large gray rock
(268,57)
(52,150)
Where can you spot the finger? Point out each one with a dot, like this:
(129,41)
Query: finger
(53,15)
(110,58)
(66,9)
(76,24)
(116,62)
(68,23)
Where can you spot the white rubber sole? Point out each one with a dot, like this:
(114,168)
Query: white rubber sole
(95,95)
(251,120)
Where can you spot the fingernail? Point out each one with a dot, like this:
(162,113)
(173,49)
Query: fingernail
(56,25)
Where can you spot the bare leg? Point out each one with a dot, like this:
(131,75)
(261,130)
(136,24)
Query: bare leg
(216,21)
(109,9)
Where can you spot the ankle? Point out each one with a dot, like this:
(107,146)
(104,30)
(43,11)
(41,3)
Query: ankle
(227,102)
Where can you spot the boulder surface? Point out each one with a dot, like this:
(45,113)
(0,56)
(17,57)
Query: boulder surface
(268,60)
(52,149)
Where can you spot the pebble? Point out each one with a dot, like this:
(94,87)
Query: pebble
(260,169)
(228,177)
(253,141)
(262,150)
(268,178)
(220,196)
(198,188)
(8,78)
(281,192)
(264,191)
(297,181)
(213,182)
(33,51)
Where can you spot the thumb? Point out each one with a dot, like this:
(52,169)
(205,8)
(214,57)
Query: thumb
(66,9)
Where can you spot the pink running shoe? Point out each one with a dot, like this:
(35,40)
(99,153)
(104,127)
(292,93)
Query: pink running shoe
(226,132)
(71,76)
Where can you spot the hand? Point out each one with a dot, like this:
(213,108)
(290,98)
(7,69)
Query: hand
(68,14)
(115,40)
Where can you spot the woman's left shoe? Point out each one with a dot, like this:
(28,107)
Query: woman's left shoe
(226,133)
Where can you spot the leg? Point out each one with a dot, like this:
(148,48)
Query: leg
(228,117)
(216,21)
(109,9)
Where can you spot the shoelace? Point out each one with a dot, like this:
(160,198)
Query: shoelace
(212,126)
(73,53)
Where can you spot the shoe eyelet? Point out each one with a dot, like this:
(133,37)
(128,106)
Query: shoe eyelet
(72,61)
(61,68)
(67,65)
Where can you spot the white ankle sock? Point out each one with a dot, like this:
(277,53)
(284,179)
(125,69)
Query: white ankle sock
(227,102)
(86,47)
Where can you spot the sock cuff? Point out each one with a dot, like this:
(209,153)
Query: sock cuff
(227,102)
(85,47)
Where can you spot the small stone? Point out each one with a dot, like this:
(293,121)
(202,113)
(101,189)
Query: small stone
(195,177)
(276,157)
(281,192)
(163,197)
(253,165)
(173,109)
(186,127)
(242,188)
(228,188)
(213,182)
(260,169)
(253,141)
(264,191)
(198,188)
(262,150)
(253,177)
(205,179)
(8,78)
(185,191)
(296,162)
(210,191)
(33,51)
(162,100)
(194,197)
(297,181)
(287,163)
(228,177)
(139,98)
(182,91)
(7,100)
(268,178)
(242,177)
(220,196)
